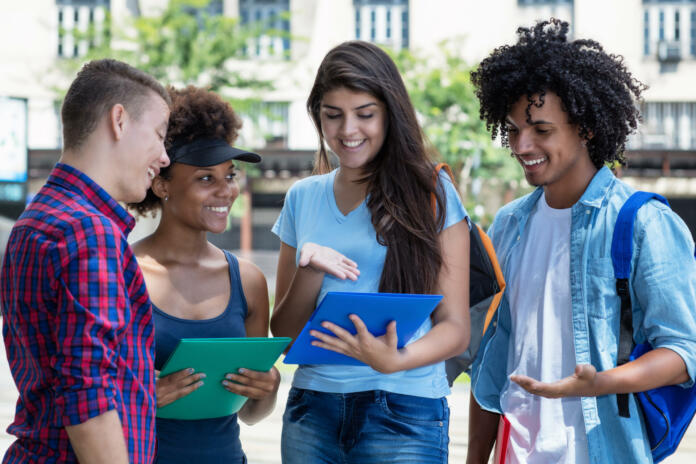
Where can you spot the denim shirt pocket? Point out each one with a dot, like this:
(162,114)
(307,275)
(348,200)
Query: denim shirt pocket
(602,300)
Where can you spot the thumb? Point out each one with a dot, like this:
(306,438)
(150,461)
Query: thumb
(305,257)
(391,337)
(585,371)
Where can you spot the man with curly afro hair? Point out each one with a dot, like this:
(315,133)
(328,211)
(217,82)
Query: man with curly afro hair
(549,367)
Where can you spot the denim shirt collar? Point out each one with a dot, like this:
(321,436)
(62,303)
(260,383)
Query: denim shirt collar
(596,191)
(593,196)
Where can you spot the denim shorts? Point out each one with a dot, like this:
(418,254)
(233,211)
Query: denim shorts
(364,427)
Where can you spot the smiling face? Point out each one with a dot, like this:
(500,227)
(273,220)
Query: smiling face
(199,197)
(550,149)
(354,126)
(143,150)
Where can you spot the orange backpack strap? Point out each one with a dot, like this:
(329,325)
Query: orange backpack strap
(439,167)
(487,244)
(488,287)
(493,307)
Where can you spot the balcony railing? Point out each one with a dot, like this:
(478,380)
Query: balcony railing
(660,163)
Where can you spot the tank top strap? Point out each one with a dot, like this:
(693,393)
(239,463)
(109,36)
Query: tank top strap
(236,280)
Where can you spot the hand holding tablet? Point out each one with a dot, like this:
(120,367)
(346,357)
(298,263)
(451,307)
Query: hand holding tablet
(375,310)
(217,357)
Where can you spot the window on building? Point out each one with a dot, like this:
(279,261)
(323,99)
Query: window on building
(544,2)
(385,22)
(669,29)
(661,27)
(212,8)
(270,121)
(692,27)
(404,28)
(357,22)
(388,24)
(215,7)
(82,24)
(646,33)
(692,121)
(373,26)
(271,18)
(667,125)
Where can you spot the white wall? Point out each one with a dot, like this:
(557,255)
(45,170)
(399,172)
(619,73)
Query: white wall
(29,47)
(320,25)
(483,25)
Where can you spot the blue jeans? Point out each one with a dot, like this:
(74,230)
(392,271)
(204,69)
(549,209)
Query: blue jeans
(364,427)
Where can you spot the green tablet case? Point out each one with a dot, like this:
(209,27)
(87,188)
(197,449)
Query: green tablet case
(217,357)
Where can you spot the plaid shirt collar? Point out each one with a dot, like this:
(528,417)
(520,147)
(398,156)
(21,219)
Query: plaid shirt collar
(74,180)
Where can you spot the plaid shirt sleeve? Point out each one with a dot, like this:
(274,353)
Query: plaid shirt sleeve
(90,294)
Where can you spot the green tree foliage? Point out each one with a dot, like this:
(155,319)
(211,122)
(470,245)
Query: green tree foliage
(183,45)
(444,98)
(187,45)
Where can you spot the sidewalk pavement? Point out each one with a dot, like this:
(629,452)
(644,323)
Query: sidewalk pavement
(261,442)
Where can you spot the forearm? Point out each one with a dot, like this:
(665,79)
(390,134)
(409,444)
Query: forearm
(450,333)
(654,369)
(446,339)
(99,440)
(293,311)
(483,428)
(255,410)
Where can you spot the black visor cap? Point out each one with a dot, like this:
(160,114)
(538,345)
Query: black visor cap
(208,152)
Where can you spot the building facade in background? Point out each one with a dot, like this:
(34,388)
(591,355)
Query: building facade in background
(656,37)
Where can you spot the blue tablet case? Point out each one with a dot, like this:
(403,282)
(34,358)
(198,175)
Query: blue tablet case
(375,309)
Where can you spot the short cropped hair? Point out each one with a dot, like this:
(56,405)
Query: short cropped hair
(99,86)
(596,89)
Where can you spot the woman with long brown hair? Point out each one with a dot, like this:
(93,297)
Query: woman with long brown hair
(368,226)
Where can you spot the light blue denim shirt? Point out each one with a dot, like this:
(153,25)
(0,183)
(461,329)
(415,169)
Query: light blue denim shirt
(663,292)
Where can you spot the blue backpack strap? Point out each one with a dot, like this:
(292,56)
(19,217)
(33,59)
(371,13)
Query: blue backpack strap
(621,254)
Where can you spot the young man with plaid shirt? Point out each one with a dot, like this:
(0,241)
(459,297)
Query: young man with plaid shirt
(77,317)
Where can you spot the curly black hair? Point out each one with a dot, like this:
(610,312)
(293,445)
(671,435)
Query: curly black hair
(596,90)
(195,113)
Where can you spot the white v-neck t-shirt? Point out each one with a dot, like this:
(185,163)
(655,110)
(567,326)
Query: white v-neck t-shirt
(543,430)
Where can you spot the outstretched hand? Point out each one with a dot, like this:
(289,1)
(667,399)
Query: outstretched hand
(380,353)
(584,382)
(328,260)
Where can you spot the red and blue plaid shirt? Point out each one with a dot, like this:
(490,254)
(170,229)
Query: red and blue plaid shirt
(77,322)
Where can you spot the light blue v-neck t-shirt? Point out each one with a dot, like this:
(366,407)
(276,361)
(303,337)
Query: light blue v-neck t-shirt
(310,214)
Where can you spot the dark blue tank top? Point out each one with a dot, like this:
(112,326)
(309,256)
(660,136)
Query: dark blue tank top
(207,440)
